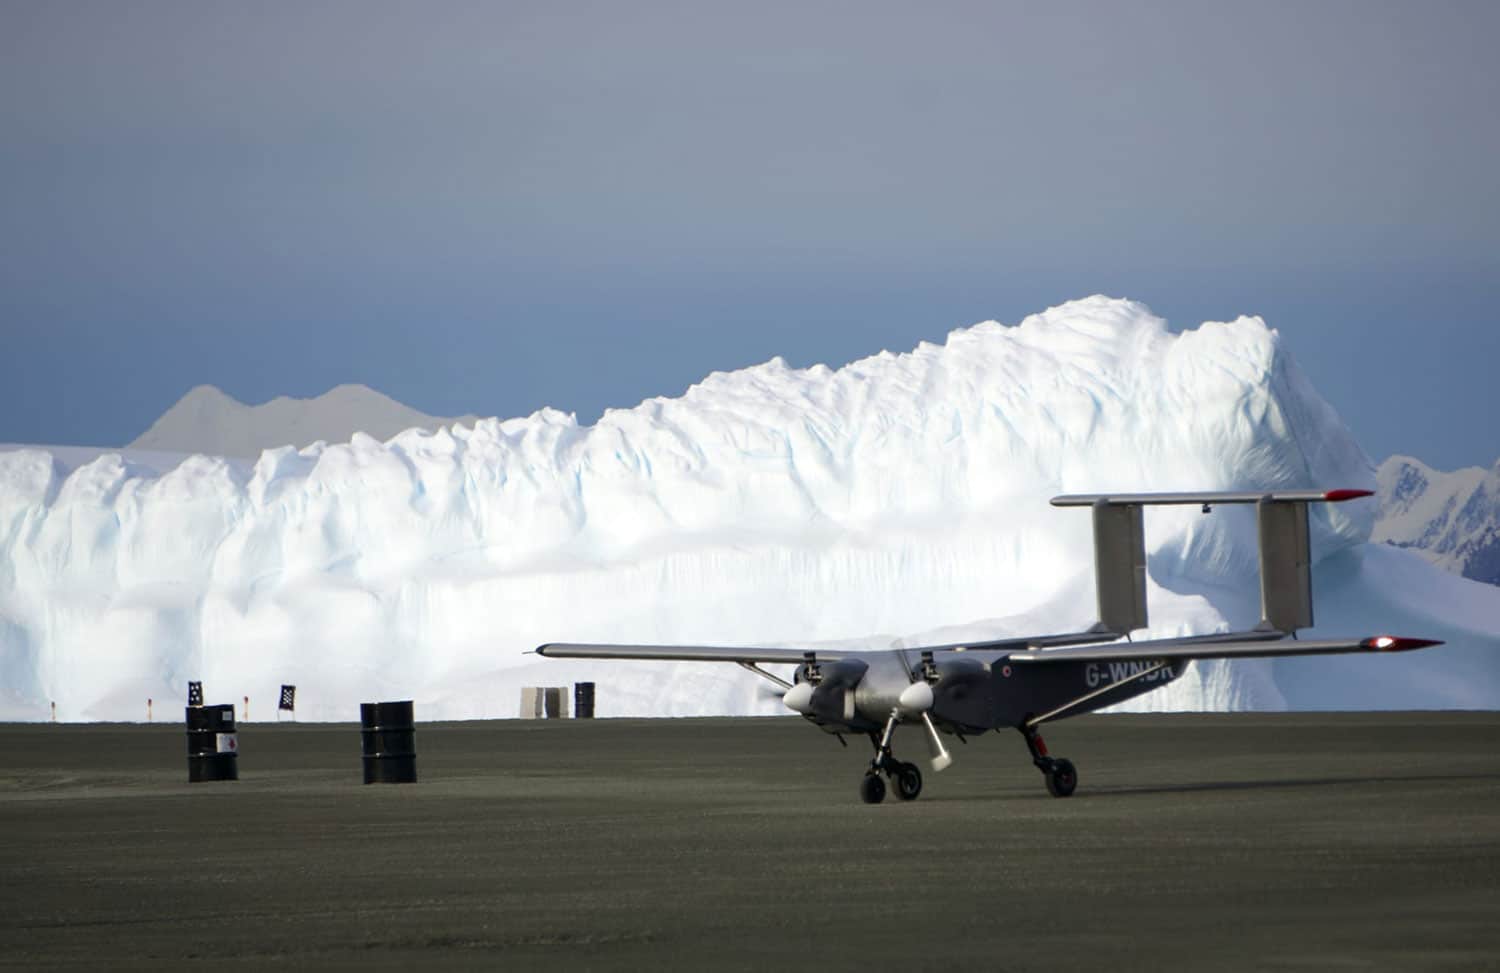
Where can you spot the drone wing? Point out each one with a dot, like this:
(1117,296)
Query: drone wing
(746,657)
(750,654)
(1241,645)
(683,653)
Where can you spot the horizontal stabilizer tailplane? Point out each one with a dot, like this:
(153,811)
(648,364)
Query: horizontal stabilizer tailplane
(1209,497)
(1285,552)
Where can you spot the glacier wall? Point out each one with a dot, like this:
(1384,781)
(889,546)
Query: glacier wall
(899,496)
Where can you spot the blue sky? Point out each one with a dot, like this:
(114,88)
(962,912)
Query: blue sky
(492,207)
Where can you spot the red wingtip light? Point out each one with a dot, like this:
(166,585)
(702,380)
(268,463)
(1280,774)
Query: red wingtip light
(1390,643)
(1339,496)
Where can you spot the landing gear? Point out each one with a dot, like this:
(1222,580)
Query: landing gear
(1061,778)
(906,778)
(908,782)
(1059,773)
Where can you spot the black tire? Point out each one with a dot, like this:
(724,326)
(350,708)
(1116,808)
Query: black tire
(908,782)
(872,789)
(1062,778)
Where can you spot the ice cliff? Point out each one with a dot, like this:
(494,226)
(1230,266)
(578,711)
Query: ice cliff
(900,496)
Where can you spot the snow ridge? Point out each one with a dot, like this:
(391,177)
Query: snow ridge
(897,495)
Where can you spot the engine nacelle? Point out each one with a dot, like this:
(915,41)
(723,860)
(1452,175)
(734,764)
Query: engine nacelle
(825,693)
(858,695)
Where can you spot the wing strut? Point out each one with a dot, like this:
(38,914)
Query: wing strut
(752,667)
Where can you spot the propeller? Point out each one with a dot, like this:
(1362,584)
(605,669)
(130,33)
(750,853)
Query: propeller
(770,685)
(769,690)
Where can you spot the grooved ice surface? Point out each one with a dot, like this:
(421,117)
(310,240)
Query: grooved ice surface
(898,498)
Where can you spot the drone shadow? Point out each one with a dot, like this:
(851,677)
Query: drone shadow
(1288,784)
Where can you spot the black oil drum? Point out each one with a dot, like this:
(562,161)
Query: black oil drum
(213,746)
(389,742)
(583,700)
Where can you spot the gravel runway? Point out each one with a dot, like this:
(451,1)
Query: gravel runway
(1243,841)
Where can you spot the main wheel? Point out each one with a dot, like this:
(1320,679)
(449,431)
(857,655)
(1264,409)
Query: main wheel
(1062,778)
(908,782)
(872,789)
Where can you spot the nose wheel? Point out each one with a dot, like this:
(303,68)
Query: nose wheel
(906,781)
(1058,772)
(905,777)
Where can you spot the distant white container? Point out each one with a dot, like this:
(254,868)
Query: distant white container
(544,702)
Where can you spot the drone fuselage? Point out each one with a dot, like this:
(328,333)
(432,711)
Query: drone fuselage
(972,691)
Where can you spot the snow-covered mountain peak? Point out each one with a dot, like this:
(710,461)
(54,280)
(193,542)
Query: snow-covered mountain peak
(207,420)
(1453,519)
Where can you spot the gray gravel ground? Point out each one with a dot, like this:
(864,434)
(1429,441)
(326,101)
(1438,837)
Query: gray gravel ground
(1354,841)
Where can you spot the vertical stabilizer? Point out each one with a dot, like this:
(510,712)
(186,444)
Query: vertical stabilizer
(1285,566)
(1120,567)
